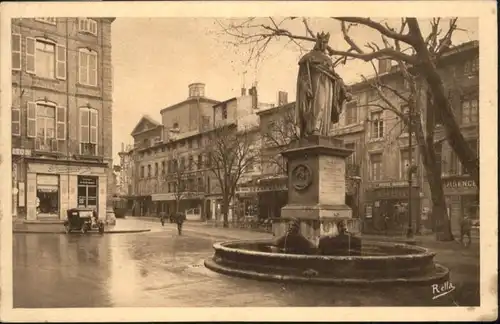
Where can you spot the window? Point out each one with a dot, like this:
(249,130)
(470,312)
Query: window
(351,159)
(200,162)
(88,131)
(156,169)
(16,121)
(190,143)
(470,111)
(190,163)
(162,168)
(16,52)
(405,162)
(376,166)
(183,163)
(249,167)
(87,67)
(142,171)
(351,113)
(377,125)
(45,58)
(209,159)
(473,144)
(149,171)
(87,25)
(198,142)
(224,112)
(175,166)
(175,126)
(46,122)
(200,185)
(47,20)
(471,66)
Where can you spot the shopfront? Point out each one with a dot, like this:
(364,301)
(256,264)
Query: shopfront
(87,192)
(390,200)
(462,198)
(52,189)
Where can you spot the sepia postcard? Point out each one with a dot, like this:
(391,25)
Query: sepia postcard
(248,161)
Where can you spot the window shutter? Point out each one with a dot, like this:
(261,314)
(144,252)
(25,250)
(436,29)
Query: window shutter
(31,120)
(82,68)
(84,125)
(92,69)
(93,126)
(16,52)
(61,123)
(30,55)
(61,62)
(16,121)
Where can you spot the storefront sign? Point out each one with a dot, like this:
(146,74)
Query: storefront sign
(391,184)
(69,169)
(87,181)
(368,212)
(456,183)
(21,151)
(21,194)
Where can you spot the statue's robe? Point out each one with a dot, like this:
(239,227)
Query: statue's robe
(320,94)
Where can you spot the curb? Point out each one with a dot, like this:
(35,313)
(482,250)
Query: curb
(63,232)
(249,274)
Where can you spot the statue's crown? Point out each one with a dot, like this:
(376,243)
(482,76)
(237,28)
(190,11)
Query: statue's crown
(325,37)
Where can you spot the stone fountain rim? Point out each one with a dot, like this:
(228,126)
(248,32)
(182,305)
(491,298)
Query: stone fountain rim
(421,252)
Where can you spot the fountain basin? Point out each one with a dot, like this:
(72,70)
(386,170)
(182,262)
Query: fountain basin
(380,263)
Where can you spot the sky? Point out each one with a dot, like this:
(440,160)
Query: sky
(155,59)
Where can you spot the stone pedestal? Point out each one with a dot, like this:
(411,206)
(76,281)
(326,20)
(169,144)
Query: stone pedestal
(316,188)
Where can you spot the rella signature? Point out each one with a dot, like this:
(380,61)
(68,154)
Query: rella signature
(440,290)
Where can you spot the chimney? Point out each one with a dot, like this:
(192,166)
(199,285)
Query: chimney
(384,65)
(196,90)
(282,98)
(123,147)
(243,91)
(253,92)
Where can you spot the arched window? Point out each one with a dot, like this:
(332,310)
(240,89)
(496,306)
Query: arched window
(88,131)
(87,67)
(46,123)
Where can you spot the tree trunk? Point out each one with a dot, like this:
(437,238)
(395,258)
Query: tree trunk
(433,171)
(454,136)
(225,211)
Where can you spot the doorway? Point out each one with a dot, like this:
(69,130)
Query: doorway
(87,192)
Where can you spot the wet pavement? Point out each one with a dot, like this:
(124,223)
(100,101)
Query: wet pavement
(161,269)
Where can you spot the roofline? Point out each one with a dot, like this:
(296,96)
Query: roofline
(224,102)
(275,108)
(147,130)
(188,100)
(460,48)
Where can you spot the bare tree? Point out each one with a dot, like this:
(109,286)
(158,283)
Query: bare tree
(229,154)
(278,135)
(421,113)
(422,54)
(176,179)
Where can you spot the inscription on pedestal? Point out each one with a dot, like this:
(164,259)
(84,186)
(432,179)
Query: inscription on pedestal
(332,181)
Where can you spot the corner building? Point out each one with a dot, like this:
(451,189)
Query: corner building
(61,115)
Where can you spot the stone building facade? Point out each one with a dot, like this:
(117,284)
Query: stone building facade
(61,115)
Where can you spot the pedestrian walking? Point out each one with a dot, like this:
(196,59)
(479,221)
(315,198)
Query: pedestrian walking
(386,224)
(163,215)
(179,219)
(465,229)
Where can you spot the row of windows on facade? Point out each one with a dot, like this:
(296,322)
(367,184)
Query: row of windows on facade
(85,25)
(48,59)
(174,166)
(46,122)
(468,115)
(182,185)
(452,166)
(172,146)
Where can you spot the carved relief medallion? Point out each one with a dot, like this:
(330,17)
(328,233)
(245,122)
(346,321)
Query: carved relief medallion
(301,177)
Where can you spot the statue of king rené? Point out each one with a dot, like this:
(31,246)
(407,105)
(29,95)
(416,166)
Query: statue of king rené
(320,91)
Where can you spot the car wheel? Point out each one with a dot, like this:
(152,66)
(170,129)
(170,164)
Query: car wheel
(67,229)
(84,229)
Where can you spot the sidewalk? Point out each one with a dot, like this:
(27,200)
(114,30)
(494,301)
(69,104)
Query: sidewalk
(426,240)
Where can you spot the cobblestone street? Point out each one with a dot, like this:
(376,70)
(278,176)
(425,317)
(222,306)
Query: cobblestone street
(160,268)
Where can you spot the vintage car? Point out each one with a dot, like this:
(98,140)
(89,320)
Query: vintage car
(83,220)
